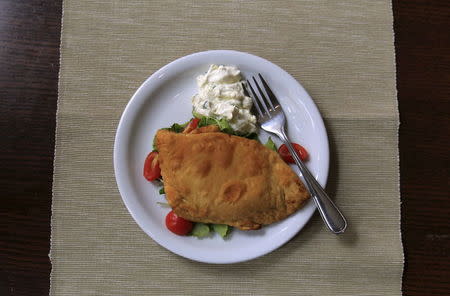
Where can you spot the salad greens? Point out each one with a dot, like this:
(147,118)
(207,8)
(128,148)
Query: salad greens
(176,127)
(221,229)
(223,125)
(200,230)
(270,144)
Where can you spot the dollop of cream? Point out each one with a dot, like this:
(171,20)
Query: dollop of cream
(221,96)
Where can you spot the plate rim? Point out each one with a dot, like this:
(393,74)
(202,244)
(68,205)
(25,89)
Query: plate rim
(119,135)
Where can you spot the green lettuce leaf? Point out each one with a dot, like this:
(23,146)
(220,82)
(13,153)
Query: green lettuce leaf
(221,229)
(176,127)
(223,125)
(161,191)
(270,144)
(200,230)
(252,136)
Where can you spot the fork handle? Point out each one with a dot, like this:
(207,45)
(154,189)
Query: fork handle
(329,212)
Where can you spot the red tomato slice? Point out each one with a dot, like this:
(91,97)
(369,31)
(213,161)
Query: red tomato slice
(191,126)
(151,167)
(287,156)
(178,225)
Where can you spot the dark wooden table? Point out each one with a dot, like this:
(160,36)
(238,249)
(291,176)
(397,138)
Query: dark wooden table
(29,61)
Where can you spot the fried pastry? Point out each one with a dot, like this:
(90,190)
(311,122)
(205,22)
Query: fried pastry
(213,177)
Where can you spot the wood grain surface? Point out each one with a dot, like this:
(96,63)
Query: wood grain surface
(29,60)
(422,40)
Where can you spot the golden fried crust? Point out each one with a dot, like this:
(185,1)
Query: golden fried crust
(213,177)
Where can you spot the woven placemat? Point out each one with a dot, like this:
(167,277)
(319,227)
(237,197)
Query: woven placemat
(343,54)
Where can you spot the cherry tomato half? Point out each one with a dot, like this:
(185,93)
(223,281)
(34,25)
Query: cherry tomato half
(286,155)
(151,167)
(178,225)
(191,126)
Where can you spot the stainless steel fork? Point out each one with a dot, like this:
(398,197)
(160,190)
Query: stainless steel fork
(272,119)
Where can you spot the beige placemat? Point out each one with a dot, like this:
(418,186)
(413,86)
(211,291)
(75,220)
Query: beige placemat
(343,54)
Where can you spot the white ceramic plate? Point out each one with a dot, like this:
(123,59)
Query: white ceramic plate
(165,98)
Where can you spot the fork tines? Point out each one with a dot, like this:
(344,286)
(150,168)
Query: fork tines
(264,100)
